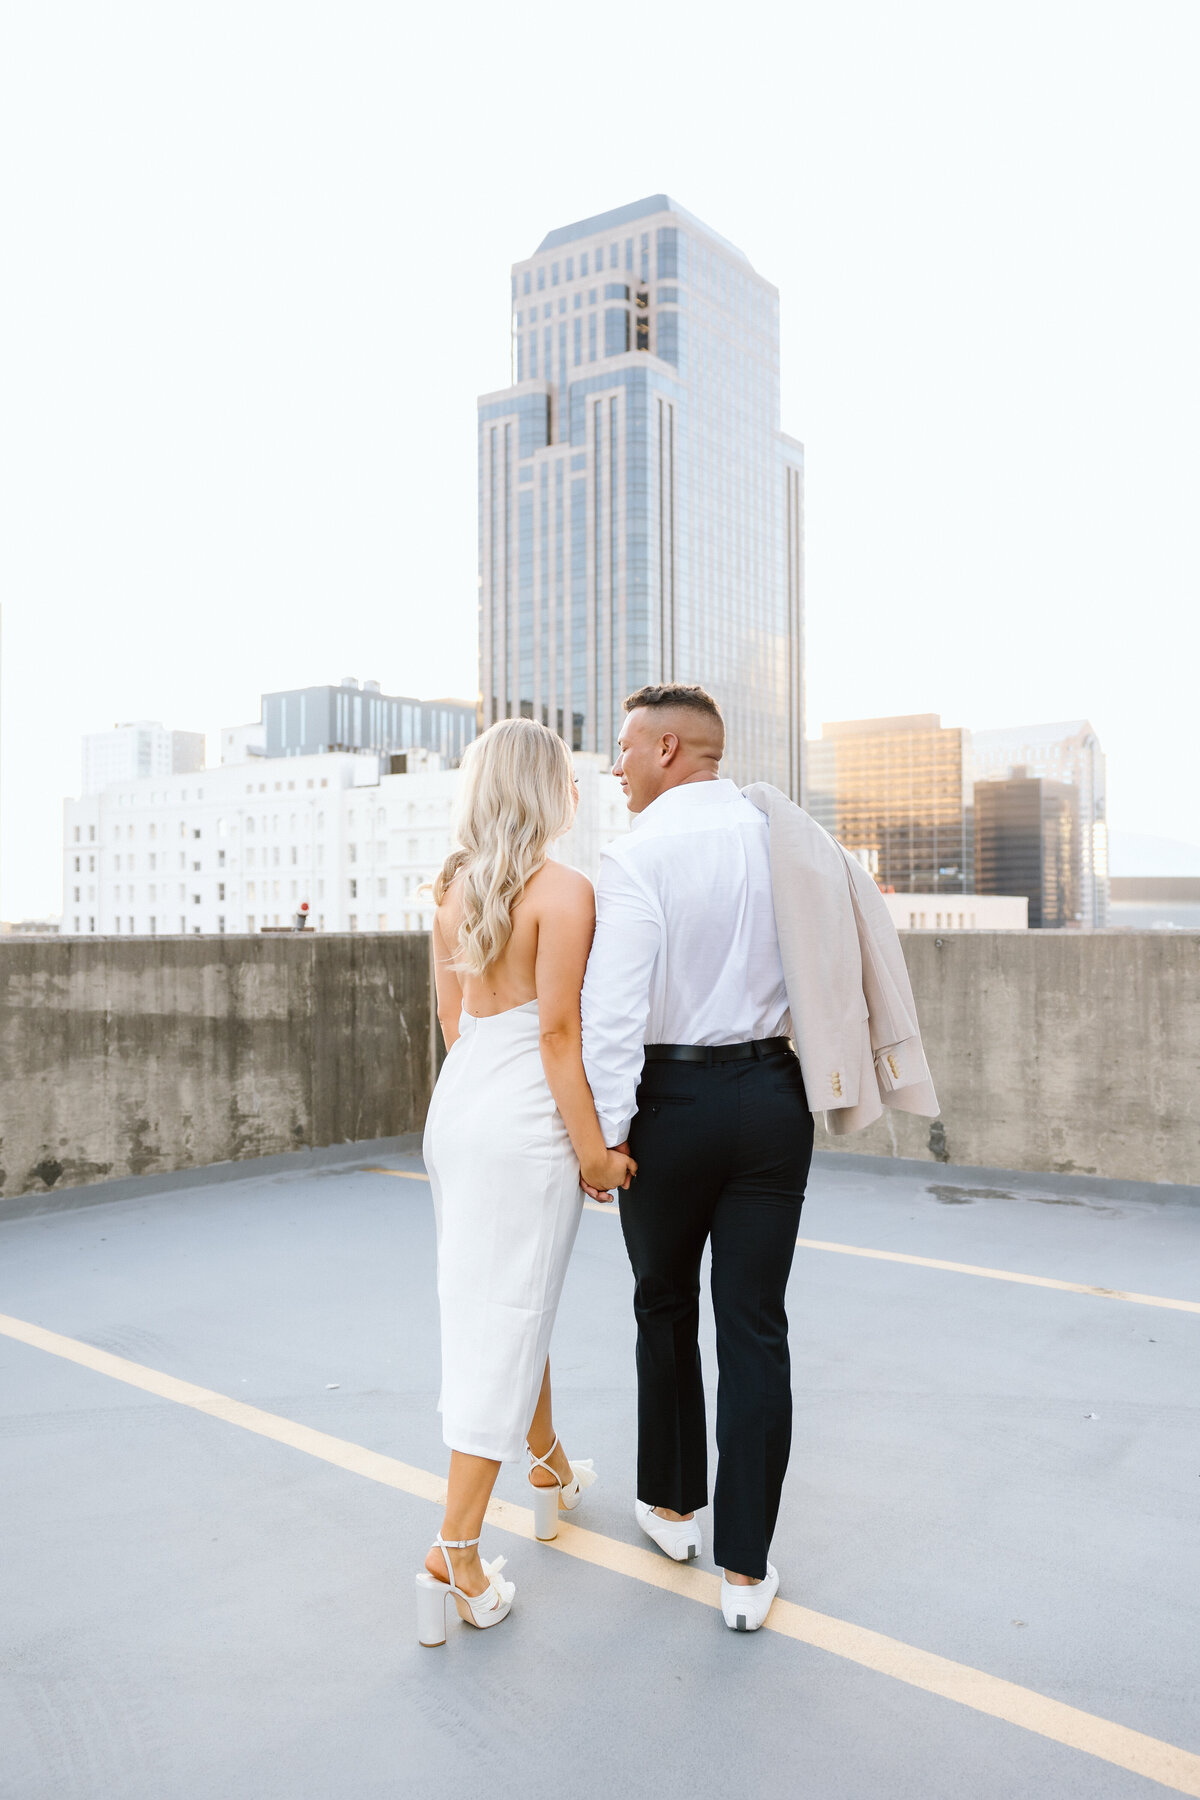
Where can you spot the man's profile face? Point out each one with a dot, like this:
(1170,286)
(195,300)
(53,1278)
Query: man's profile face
(639,768)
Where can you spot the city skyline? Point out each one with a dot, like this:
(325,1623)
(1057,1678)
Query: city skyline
(238,436)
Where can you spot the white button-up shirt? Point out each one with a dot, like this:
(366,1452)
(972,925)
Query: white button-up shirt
(686,950)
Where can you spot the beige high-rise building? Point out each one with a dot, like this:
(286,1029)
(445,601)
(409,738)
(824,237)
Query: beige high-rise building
(896,792)
(640,510)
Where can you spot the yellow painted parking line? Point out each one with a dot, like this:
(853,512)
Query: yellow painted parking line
(1167,1764)
(920,1262)
(1042,1281)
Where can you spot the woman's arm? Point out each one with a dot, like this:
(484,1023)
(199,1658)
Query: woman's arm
(449,992)
(566,919)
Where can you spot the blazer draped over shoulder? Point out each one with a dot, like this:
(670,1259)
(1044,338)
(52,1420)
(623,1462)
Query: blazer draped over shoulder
(854,1023)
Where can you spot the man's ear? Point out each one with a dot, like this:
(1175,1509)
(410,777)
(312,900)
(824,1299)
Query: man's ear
(668,744)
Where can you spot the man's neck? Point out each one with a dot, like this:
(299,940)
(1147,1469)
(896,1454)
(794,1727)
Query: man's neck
(695,776)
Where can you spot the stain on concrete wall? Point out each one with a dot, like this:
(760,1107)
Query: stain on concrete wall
(147,1055)
(1072,1052)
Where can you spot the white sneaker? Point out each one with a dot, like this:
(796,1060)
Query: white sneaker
(678,1538)
(746,1608)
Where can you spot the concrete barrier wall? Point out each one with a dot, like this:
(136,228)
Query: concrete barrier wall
(145,1055)
(1051,1051)
(1073,1052)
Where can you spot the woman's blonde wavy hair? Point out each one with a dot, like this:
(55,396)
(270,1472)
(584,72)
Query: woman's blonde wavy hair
(516,798)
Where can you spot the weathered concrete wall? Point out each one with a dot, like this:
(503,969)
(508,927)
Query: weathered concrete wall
(1051,1051)
(1055,1050)
(139,1056)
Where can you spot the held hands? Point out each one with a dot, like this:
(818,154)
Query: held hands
(614,1169)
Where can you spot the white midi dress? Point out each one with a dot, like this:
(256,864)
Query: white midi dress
(507,1204)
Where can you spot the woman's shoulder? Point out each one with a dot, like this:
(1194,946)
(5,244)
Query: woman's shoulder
(557,887)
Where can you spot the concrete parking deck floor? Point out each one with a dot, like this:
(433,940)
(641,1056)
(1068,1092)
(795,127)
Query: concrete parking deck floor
(991,1510)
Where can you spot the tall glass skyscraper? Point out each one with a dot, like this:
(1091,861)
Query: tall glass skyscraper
(641,514)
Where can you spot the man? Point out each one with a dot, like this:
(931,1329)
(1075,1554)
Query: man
(685,1041)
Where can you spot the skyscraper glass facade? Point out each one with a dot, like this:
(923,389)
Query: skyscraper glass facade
(896,793)
(640,511)
(1069,752)
(1027,842)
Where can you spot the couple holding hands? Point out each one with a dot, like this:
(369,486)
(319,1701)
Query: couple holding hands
(669,1034)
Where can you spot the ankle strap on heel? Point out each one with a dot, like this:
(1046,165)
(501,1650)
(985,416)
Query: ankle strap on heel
(543,1462)
(446,1545)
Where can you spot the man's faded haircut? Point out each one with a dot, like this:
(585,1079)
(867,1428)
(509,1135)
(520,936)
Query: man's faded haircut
(667,695)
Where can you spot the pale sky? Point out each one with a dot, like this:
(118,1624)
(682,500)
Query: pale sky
(257,266)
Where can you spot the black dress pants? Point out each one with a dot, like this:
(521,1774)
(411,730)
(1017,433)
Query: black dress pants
(723,1151)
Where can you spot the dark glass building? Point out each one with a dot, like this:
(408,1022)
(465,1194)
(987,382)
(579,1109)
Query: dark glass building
(1027,842)
(310,721)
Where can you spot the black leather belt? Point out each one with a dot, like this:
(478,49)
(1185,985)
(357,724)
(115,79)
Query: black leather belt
(717,1053)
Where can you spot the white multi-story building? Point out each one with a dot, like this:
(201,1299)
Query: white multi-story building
(134,752)
(958,912)
(239,743)
(243,846)
(1069,752)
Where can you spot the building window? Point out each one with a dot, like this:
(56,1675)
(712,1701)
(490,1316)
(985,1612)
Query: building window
(570,268)
(583,264)
(221,922)
(77,922)
(131,927)
(78,860)
(354,890)
(77,834)
(220,890)
(614,256)
(91,834)
(616,331)
(354,921)
(541,279)
(553,274)
(195,899)
(249,921)
(220,859)
(524,290)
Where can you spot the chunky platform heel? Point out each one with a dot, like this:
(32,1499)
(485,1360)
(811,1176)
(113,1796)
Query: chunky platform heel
(480,1610)
(548,1502)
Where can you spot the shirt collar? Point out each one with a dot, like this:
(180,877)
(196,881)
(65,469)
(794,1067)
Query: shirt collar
(688,795)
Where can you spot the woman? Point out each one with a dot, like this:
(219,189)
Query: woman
(510,1128)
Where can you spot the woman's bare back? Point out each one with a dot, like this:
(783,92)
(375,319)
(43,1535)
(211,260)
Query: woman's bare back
(511,980)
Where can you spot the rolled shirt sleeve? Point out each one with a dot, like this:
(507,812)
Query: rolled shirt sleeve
(616,994)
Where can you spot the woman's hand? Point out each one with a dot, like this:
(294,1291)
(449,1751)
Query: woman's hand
(612,1169)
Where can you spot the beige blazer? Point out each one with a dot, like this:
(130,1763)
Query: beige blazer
(854,1023)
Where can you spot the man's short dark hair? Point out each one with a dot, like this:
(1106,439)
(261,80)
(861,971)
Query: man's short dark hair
(676,693)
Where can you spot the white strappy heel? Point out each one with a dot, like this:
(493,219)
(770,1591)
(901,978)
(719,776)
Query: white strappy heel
(482,1610)
(548,1502)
